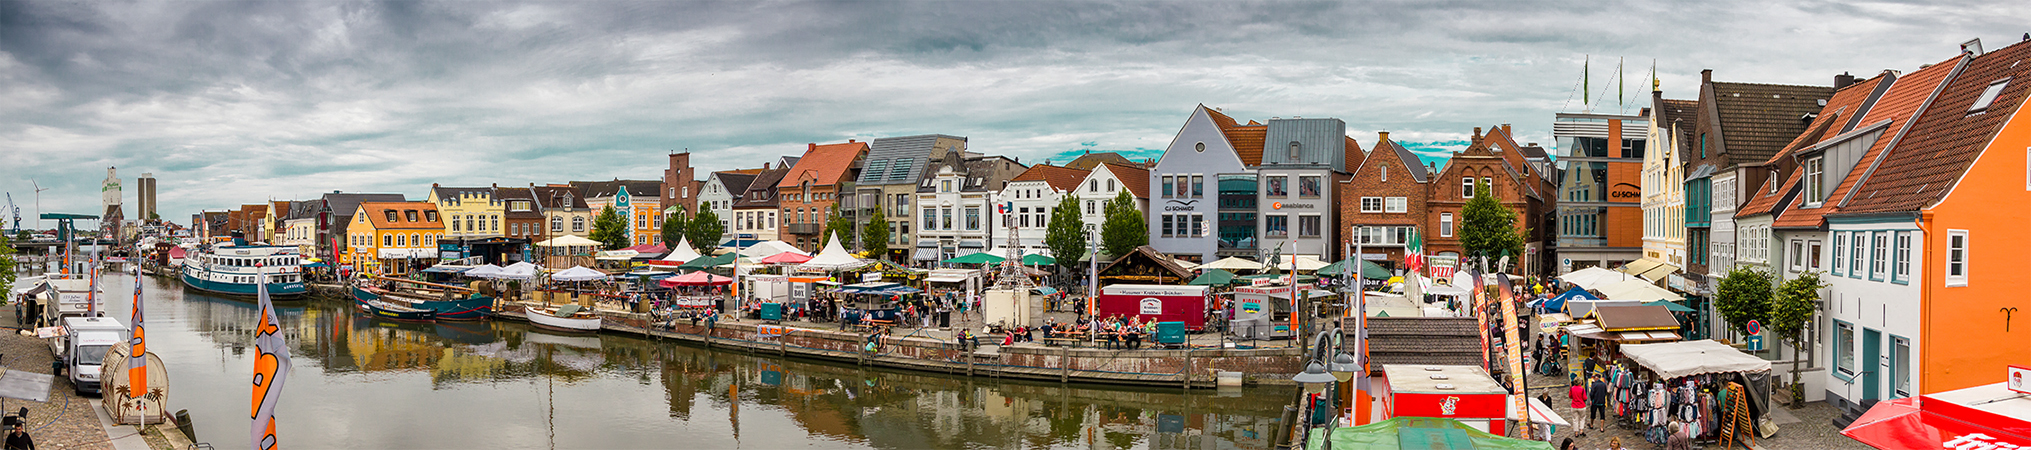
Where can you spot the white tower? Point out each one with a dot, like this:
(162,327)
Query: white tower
(109,193)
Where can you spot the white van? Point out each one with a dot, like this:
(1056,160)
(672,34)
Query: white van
(82,348)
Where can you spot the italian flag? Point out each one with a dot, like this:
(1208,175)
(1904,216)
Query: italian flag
(1414,253)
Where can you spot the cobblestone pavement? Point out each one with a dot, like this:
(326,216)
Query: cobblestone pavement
(1809,427)
(66,421)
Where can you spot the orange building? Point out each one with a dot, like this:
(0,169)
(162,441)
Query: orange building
(394,237)
(811,187)
(1600,195)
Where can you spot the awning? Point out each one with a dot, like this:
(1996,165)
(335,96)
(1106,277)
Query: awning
(1680,359)
(1977,417)
(1542,413)
(971,243)
(740,243)
(945,279)
(925,254)
(927,243)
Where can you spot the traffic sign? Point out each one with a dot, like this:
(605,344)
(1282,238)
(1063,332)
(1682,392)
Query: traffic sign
(1755,328)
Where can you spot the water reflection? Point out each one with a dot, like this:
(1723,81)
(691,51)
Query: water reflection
(362,382)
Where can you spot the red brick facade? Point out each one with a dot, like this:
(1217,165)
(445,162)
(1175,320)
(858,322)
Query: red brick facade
(1509,183)
(1385,173)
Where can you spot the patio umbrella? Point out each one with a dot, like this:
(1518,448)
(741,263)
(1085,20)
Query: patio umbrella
(975,258)
(1232,263)
(568,241)
(1038,260)
(786,258)
(1215,277)
(521,270)
(578,273)
(708,262)
(484,271)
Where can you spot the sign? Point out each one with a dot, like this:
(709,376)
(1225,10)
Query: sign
(1152,307)
(1755,327)
(2016,382)
(870,277)
(1276,205)
(1181,205)
(1625,192)
(768,331)
(1753,343)
(1375,256)
(746,235)
(1251,307)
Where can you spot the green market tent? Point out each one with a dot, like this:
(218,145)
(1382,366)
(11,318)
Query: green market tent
(1368,269)
(1669,305)
(975,258)
(1215,277)
(1038,260)
(708,262)
(1418,433)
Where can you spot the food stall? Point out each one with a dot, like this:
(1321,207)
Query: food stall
(1157,303)
(1464,393)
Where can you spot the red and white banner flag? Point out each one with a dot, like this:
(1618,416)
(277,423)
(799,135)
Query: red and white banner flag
(271,367)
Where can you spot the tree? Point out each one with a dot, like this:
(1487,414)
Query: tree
(610,230)
(1796,301)
(1487,228)
(874,235)
(704,231)
(1065,234)
(7,264)
(675,227)
(1744,295)
(1125,228)
(837,223)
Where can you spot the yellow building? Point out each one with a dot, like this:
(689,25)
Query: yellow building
(469,212)
(394,237)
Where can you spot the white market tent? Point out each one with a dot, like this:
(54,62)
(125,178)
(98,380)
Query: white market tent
(578,273)
(1638,289)
(1304,263)
(1231,264)
(1447,289)
(834,257)
(766,249)
(1594,277)
(568,241)
(1680,359)
(484,271)
(682,252)
(520,270)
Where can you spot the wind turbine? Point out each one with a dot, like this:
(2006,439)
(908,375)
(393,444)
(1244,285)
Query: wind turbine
(38,202)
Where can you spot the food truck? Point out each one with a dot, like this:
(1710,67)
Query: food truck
(1464,393)
(1160,303)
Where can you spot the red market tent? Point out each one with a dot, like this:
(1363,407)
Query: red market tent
(699,278)
(786,258)
(649,249)
(1976,417)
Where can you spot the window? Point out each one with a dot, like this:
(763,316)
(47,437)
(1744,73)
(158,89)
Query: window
(931,219)
(454,225)
(497,224)
(945,218)
(430,216)
(1446,225)
(1110,185)
(1840,250)
(1989,95)
(1385,173)
(1797,255)
(1092,185)
(1167,186)
(1703,145)
(1277,225)
(1467,187)
(1167,227)
(1198,225)
(1956,257)
(1371,204)
(1275,187)
(1879,254)
(391,215)
(1490,182)
(1814,169)
(1089,206)
(1844,347)
(1308,226)
(1903,270)
(1900,367)
(556,224)
(1297,150)
(1308,186)
(1632,148)
(388,240)
(972,218)
(409,214)
(1198,186)
(1855,269)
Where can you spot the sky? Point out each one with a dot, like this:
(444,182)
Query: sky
(228,103)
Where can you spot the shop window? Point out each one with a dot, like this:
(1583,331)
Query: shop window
(1844,348)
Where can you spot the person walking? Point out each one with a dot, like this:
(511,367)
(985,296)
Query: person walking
(18,439)
(1597,400)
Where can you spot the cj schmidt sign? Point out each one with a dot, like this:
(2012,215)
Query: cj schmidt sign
(1625,192)
(1181,205)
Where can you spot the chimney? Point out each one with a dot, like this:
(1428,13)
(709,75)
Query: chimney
(433,185)
(1381,137)
(1505,131)
(1477,135)
(765,167)
(811,148)
(849,141)
(1843,80)
(1706,76)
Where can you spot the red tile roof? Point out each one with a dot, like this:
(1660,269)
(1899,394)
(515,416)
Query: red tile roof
(1907,93)
(1763,201)
(1060,178)
(1247,140)
(824,164)
(1839,111)
(1133,177)
(1945,138)
(376,213)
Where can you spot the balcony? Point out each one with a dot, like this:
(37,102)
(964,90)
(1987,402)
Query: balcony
(803,228)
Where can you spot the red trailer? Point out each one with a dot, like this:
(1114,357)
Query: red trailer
(1159,303)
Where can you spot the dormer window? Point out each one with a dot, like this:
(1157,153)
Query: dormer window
(410,214)
(1814,169)
(391,215)
(1296,148)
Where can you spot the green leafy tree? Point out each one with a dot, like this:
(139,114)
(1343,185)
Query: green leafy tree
(1744,295)
(1065,234)
(704,231)
(1487,228)
(7,265)
(610,230)
(675,228)
(1796,301)
(874,235)
(837,224)
(1125,228)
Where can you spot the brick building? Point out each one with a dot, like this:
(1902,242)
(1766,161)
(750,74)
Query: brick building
(1385,197)
(808,191)
(680,186)
(1510,181)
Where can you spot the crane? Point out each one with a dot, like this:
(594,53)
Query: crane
(14,210)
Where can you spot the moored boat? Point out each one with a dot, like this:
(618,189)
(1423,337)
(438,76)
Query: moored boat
(564,318)
(475,307)
(386,310)
(229,268)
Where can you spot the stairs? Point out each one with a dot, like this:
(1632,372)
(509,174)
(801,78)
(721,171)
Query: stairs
(1851,413)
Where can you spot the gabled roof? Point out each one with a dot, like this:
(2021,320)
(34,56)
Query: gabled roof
(1061,178)
(1757,120)
(375,214)
(1247,139)
(1133,177)
(762,192)
(736,182)
(899,160)
(636,188)
(343,204)
(825,164)
(1831,122)
(1411,162)
(1681,112)
(554,197)
(1091,160)
(1946,137)
(1906,96)
(303,209)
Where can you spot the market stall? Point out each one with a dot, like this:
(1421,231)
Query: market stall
(1698,383)
(1992,416)
(1464,393)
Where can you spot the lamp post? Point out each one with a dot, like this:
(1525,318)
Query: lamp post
(1322,371)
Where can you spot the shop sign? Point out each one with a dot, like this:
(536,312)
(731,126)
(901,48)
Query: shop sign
(1151,306)
(2017,376)
(1625,192)
(1182,205)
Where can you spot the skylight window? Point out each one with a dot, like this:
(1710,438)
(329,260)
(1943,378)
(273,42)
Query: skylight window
(1989,96)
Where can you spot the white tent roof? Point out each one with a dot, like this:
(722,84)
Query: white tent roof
(1637,289)
(682,252)
(834,257)
(1447,289)
(518,271)
(484,271)
(1679,359)
(1231,264)
(766,249)
(578,273)
(1595,277)
(1305,263)
(568,241)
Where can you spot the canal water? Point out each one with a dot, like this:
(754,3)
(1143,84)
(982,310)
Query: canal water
(361,382)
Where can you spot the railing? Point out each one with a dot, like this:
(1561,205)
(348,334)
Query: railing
(802,228)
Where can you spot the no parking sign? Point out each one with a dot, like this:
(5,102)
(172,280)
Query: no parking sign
(1755,339)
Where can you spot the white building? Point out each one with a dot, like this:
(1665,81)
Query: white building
(1109,180)
(720,191)
(1028,201)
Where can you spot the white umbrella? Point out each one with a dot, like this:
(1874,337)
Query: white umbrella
(1638,289)
(568,241)
(484,271)
(1305,263)
(518,271)
(578,273)
(1595,277)
(1231,264)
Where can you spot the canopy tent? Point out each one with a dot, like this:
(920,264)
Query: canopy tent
(1368,269)
(568,241)
(975,258)
(447,268)
(834,257)
(484,271)
(1558,303)
(1215,277)
(616,255)
(1304,263)
(696,279)
(1416,432)
(1231,264)
(1975,417)
(682,253)
(1648,269)
(1595,277)
(1447,289)
(739,243)
(1038,260)
(1637,289)
(764,249)
(1679,359)
(708,262)
(648,248)
(578,273)
(520,270)
(786,258)
(1670,306)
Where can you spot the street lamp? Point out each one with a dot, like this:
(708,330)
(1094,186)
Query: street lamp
(1315,378)
(1344,367)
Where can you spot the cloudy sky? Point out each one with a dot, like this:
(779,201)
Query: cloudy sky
(229,103)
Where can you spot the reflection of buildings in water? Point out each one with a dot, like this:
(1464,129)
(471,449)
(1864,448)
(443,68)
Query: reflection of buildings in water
(230,323)
(454,365)
(383,346)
